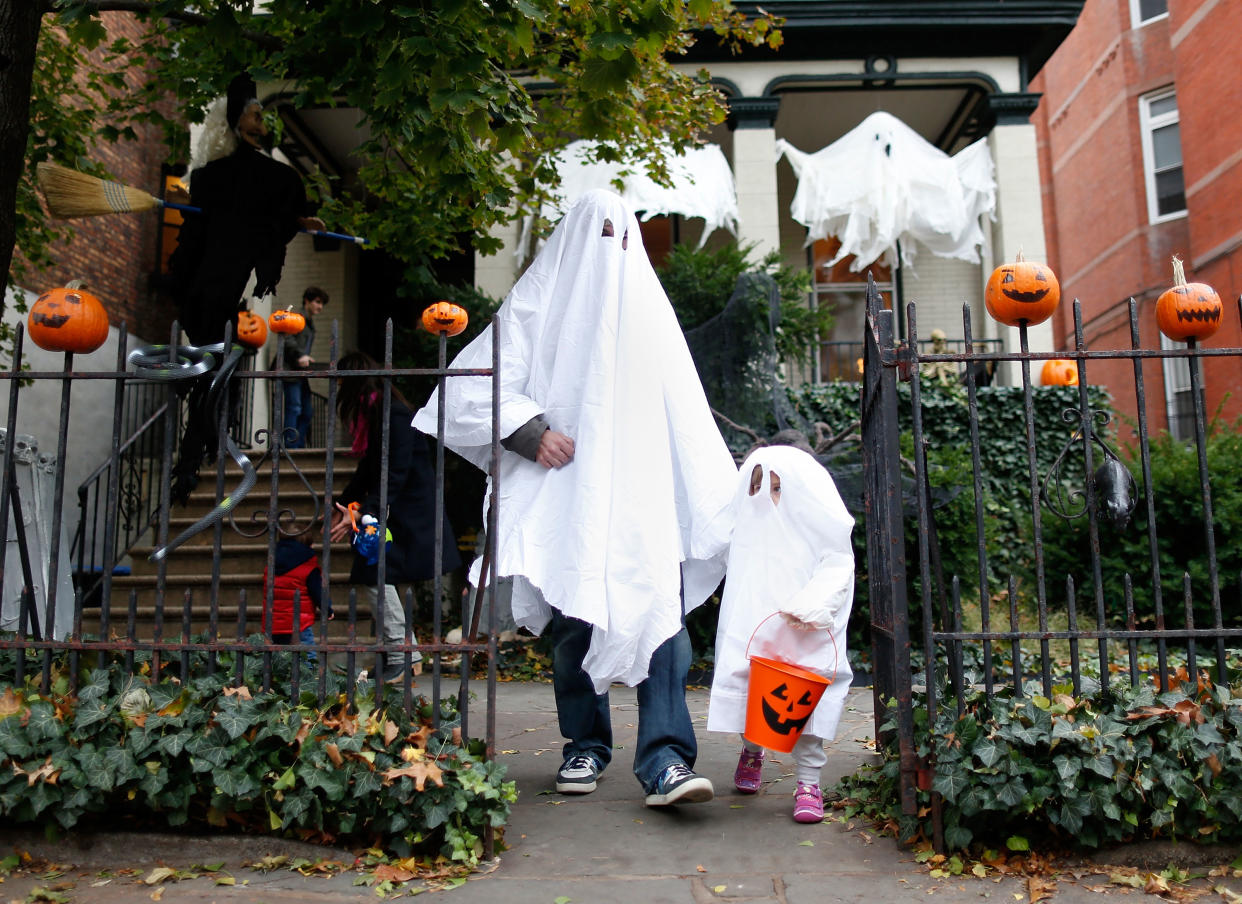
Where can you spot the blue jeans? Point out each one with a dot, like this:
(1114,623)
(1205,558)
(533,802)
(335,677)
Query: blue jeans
(297,413)
(665,732)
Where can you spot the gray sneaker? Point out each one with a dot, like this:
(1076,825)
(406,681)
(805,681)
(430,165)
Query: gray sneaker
(577,775)
(678,785)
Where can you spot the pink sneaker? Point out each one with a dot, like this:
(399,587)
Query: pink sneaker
(808,804)
(747,778)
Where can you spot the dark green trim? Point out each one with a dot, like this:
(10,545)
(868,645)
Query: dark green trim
(890,79)
(1013,109)
(858,29)
(753,112)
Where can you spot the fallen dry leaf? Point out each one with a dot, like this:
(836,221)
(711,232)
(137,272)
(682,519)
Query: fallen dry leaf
(387,873)
(390,732)
(241,692)
(1038,888)
(157,894)
(334,754)
(418,772)
(159,874)
(701,868)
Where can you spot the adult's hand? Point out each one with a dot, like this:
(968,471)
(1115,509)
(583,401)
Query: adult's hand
(555,450)
(305,361)
(341,525)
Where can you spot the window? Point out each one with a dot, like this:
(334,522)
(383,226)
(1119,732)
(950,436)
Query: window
(1144,11)
(1178,398)
(845,292)
(1162,156)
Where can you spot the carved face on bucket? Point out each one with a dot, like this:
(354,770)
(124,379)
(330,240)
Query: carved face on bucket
(785,713)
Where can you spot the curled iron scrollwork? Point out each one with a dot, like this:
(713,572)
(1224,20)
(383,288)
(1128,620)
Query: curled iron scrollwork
(1112,484)
(286,519)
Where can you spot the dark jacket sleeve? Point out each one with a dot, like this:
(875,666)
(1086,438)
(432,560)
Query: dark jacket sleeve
(525,439)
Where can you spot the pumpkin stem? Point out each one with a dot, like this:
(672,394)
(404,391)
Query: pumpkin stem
(76,284)
(1021,257)
(1179,272)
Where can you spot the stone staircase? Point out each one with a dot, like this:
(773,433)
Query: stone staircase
(242,555)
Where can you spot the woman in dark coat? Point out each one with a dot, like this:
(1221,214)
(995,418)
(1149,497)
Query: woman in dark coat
(411,495)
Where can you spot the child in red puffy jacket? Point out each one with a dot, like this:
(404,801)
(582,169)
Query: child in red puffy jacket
(297,572)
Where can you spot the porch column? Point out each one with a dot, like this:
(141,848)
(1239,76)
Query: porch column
(496,273)
(1019,212)
(753,120)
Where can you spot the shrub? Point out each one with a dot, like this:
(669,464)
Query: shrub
(1181,542)
(1079,772)
(205,754)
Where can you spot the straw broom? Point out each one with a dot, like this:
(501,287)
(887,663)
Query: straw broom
(70,193)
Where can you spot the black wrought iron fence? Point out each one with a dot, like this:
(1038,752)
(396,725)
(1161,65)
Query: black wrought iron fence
(1089,601)
(200,595)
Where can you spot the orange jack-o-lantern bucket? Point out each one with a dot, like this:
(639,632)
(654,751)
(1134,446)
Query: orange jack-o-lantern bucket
(781,696)
(779,702)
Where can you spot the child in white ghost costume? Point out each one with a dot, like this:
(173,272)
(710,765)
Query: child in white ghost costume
(790,553)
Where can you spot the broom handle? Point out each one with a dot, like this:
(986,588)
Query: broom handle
(356,239)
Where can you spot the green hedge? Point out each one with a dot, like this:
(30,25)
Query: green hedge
(127,749)
(1077,772)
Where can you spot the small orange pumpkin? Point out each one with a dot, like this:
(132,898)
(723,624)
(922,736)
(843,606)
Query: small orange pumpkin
(1022,292)
(445,317)
(290,322)
(1188,310)
(251,329)
(1059,372)
(68,320)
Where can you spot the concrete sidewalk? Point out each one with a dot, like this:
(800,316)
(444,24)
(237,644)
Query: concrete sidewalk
(599,848)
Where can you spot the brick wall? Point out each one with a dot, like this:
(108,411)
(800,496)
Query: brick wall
(1100,240)
(116,254)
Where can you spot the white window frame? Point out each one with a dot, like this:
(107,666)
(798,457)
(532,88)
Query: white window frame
(1136,16)
(1176,386)
(1147,125)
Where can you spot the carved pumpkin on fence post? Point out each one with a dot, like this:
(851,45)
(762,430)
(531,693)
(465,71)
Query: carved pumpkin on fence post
(288,322)
(445,317)
(68,320)
(1188,311)
(251,329)
(1022,292)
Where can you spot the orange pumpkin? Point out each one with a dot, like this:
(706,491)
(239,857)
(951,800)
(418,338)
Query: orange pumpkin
(68,320)
(1188,310)
(1022,292)
(1059,372)
(445,317)
(286,322)
(251,329)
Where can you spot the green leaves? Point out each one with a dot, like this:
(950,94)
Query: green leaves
(174,754)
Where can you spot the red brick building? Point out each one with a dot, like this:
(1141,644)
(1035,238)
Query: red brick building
(1140,160)
(117,255)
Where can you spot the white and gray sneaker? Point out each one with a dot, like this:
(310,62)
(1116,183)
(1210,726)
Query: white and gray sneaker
(679,785)
(577,775)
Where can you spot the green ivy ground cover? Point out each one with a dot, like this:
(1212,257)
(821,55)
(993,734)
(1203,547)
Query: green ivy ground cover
(1073,772)
(206,755)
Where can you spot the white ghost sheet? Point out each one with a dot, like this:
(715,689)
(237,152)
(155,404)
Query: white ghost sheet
(589,340)
(789,556)
(882,182)
(702,186)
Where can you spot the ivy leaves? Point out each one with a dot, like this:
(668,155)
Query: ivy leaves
(165,753)
(1084,771)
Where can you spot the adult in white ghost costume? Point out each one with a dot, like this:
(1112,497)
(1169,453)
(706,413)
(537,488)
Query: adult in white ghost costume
(614,491)
(790,553)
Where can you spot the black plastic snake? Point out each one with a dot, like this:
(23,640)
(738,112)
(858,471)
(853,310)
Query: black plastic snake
(152,362)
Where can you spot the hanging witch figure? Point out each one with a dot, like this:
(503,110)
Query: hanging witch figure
(252,206)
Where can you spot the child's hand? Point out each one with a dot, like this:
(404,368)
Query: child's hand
(796,623)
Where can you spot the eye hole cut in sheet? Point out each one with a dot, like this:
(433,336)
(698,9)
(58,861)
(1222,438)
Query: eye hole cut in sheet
(756,483)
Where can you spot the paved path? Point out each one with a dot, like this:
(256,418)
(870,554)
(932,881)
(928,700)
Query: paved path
(602,848)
